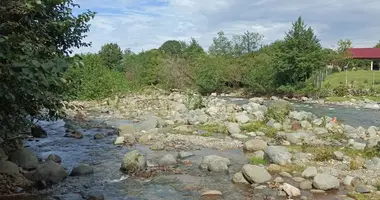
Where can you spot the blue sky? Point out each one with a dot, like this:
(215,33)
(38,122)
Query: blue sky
(145,24)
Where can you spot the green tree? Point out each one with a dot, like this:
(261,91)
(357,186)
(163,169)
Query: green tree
(111,55)
(299,55)
(246,43)
(36,38)
(377,45)
(221,45)
(172,47)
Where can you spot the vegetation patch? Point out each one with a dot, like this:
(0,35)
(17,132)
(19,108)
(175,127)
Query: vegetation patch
(258,161)
(292,168)
(278,111)
(259,126)
(360,196)
(213,128)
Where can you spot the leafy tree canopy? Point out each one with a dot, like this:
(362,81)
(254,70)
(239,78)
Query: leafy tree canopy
(111,55)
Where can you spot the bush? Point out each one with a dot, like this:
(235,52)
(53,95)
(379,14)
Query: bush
(286,90)
(278,111)
(341,90)
(193,100)
(94,80)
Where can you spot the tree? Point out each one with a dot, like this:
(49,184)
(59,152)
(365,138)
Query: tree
(299,55)
(246,43)
(111,55)
(343,57)
(377,45)
(36,39)
(172,48)
(221,45)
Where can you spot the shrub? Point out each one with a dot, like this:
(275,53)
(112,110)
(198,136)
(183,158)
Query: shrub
(193,100)
(340,90)
(278,111)
(286,90)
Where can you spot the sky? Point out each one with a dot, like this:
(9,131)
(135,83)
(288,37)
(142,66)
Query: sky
(146,24)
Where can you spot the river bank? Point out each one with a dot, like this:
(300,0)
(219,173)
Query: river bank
(189,145)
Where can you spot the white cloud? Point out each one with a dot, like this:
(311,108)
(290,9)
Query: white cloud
(146,24)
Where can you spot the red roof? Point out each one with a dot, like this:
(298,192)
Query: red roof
(364,53)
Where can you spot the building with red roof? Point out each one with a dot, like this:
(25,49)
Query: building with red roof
(366,53)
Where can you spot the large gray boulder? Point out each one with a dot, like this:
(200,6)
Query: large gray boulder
(49,171)
(167,160)
(255,174)
(82,170)
(7,167)
(215,163)
(255,145)
(24,158)
(132,162)
(278,155)
(325,181)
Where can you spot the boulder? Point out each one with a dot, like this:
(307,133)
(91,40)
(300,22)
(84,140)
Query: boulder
(309,172)
(184,154)
(54,158)
(24,158)
(239,178)
(7,167)
(38,132)
(49,171)
(132,162)
(233,128)
(278,155)
(373,164)
(325,181)
(168,160)
(82,170)
(242,118)
(298,137)
(291,191)
(215,163)
(255,174)
(255,145)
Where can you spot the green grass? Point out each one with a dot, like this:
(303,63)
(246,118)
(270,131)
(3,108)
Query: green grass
(358,196)
(213,128)
(360,77)
(258,161)
(259,126)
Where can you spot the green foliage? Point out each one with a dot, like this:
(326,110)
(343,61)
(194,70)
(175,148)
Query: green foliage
(287,90)
(172,48)
(300,54)
(341,90)
(94,80)
(278,110)
(111,55)
(36,39)
(193,101)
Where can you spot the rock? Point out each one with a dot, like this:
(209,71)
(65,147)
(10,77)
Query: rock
(211,194)
(98,136)
(298,179)
(7,167)
(298,137)
(239,136)
(184,154)
(296,126)
(239,178)
(314,191)
(150,123)
(168,160)
(348,180)
(49,171)
(306,125)
(157,146)
(278,155)
(306,185)
(277,126)
(132,162)
(119,140)
(82,170)
(54,158)
(372,131)
(278,180)
(255,174)
(309,172)
(242,118)
(291,191)
(325,182)
(207,159)
(255,145)
(95,196)
(285,174)
(24,158)
(38,132)
(320,131)
(373,164)
(75,134)
(258,154)
(338,155)
(362,189)
(217,166)
(129,139)
(358,145)
(233,128)
(317,122)
(3,156)
(274,168)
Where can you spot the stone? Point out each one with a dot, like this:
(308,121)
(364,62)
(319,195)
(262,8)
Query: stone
(362,189)
(325,181)
(239,136)
(358,145)
(338,155)
(82,170)
(277,126)
(239,178)
(38,132)
(255,145)
(217,166)
(7,167)
(96,195)
(306,125)
(290,190)
(119,140)
(278,155)
(211,194)
(348,180)
(309,172)
(150,123)
(74,134)
(157,146)
(258,154)
(372,131)
(24,158)
(184,154)
(298,179)
(207,159)
(298,137)
(242,118)
(373,164)
(54,158)
(274,168)
(278,180)
(167,160)
(314,191)
(285,174)
(233,128)
(49,171)
(320,131)
(3,156)
(132,162)
(98,136)
(255,174)
(306,185)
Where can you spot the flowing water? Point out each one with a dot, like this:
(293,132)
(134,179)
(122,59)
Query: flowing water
(189,184)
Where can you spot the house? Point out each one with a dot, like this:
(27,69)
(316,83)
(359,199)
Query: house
(372,54)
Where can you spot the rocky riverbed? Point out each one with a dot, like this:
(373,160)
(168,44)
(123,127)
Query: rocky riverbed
(176,146)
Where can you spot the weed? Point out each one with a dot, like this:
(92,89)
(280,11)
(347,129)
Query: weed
(324,154)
